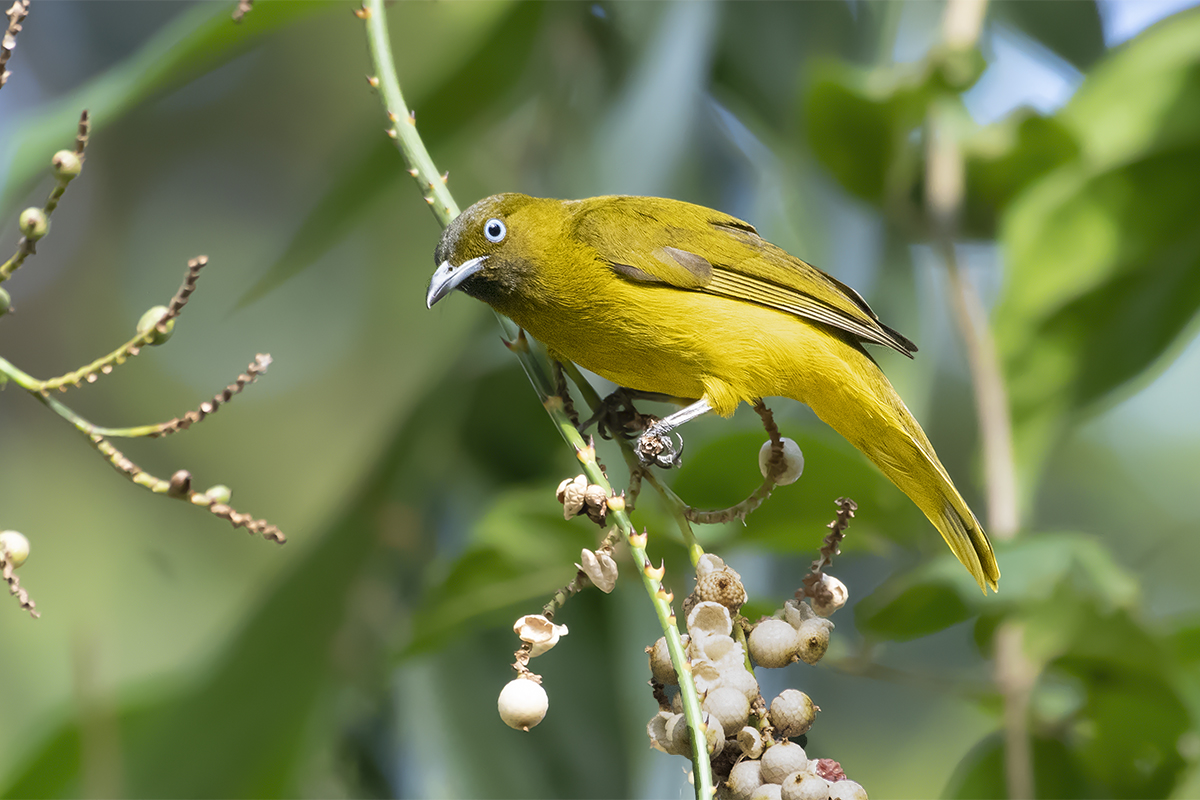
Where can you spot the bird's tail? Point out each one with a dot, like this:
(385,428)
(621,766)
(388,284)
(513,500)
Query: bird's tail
(864,408)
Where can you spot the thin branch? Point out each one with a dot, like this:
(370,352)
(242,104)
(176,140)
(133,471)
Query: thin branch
(27,246)
(256,368)
(14,585)
(180,488)
(775,466)
(16,15)
(105,365)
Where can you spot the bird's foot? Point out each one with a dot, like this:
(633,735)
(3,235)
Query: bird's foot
(655,448)
(617,418)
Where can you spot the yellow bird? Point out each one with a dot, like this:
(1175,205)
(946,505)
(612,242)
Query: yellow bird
(664,296)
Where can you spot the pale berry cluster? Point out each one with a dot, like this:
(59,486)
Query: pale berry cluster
(747,741)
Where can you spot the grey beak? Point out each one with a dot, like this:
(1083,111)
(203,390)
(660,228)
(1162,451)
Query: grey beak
(447,277)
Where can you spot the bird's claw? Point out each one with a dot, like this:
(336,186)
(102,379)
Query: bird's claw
(656,449)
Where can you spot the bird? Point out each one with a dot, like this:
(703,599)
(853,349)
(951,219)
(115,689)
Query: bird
(668,297)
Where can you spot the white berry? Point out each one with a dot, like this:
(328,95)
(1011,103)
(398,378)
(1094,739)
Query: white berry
(782,760)
(847,790)
(804,786)
(792,713)
(813,639)
(15,547)
(793,462)
(523,703)
(744,779)
(836,592)
(773,643)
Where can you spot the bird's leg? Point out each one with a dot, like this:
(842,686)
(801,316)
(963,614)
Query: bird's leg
(654,446)
(616,416)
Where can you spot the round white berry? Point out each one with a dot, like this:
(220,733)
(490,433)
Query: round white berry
(523,703)
(768,791)
(847,790)
(813,636)
(782,760)
(15,547)
(792,713)
(773,643)
(793,462)
(729,706)
(744,778)
(804,786)
(830,595)
(660,663)
(741,679)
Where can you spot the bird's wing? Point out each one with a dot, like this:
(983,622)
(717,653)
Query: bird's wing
(665,248)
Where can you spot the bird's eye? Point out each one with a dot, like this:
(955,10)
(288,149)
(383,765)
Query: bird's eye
(494,230)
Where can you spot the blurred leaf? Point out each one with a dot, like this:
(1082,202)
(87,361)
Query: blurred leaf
(858,126)
(1005,157)
(1071,29)
(1131,723)
(860,122)
(795,517)
(1142,98)
(197,41)
(520,551)
(939,592)
(473,87)
(917,602)
(763,78)
(1126,731)
(1104,255)
(1057,771)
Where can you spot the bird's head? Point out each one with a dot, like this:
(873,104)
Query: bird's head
(488,251)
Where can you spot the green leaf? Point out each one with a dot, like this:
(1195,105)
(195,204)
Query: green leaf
(1103,254)
(1005,157)
(794,518)
(918,602)
(199,40)
(1035,568)
(1057,772)
(858,126)
(1070,28)
(520,552)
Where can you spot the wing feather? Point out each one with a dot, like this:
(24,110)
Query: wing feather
(666,247)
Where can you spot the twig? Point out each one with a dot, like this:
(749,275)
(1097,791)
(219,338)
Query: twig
(837,532)
(16,15)
(14,585)
(104,365)
(27,246)
(180,487)
(756,499)
(256,368)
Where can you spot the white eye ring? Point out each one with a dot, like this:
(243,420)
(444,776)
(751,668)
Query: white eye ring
(494,230)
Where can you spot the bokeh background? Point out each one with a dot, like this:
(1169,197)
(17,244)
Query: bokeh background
(407,459)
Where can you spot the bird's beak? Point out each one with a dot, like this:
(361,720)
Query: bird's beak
(447,277)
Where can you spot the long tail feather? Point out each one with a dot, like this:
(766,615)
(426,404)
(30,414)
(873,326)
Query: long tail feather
(865,409)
